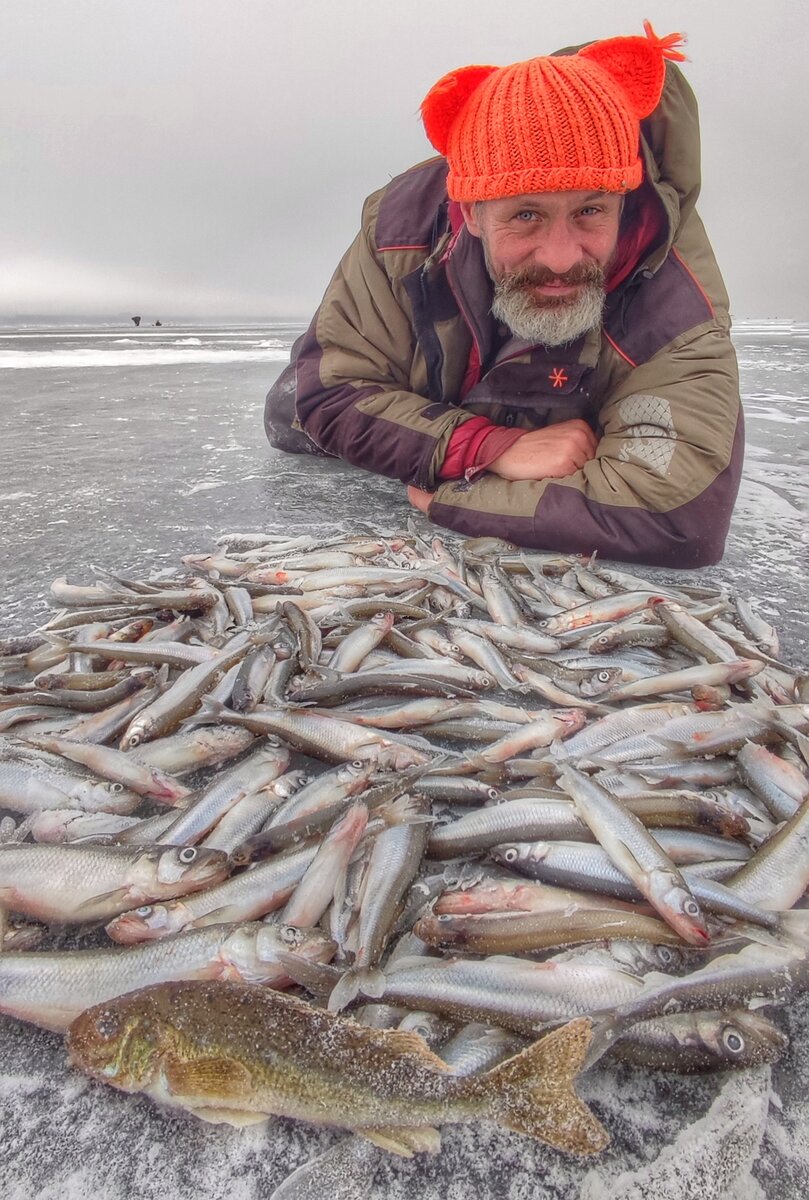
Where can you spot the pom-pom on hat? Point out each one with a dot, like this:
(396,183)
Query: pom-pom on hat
(551,124)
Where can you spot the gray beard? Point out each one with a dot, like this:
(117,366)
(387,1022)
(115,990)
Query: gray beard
(550,325)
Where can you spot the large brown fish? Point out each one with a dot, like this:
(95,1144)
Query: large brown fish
(238,1054)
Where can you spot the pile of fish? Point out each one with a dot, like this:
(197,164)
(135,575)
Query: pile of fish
(487,815)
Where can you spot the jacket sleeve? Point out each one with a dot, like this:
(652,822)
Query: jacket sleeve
(354,367)
(664,480)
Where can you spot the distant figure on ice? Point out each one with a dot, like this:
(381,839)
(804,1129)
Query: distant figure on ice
(158,323)
(136,321)
(531,330)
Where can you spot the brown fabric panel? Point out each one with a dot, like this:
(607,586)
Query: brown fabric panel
(474,522)
(669,427)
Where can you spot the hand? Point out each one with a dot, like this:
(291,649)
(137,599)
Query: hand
(418,498)
(549,453)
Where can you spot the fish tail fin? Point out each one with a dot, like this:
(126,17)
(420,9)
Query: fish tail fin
(367,981)
(533,1092)
(210,710)
(405,810)
(801,742)
(605,1033)
(372,983)
(319,979)
(344,991)
(793,926)
(55,641)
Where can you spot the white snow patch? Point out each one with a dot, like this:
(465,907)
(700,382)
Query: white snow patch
(709,1160)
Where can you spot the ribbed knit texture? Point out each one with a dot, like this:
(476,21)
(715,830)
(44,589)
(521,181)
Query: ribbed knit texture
(550,124)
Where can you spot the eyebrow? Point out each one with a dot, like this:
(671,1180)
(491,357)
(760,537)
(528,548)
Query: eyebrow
(530,198)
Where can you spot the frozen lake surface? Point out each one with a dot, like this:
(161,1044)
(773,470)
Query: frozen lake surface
(126,448)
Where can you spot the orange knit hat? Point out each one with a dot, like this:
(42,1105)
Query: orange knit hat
(551,124)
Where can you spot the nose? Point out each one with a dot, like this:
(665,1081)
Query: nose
(559,248)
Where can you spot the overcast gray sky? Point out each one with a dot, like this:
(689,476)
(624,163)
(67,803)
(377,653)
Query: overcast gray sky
(210,157)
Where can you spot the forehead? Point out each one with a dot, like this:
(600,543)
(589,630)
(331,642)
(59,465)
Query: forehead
(550,201)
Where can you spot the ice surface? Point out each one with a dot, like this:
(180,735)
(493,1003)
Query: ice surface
(710,1159)
(130,464)
(147,356)
(346,1171)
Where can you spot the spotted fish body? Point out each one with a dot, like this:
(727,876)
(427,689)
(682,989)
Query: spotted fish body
(238,1054)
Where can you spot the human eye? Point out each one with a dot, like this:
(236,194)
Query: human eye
(525,216)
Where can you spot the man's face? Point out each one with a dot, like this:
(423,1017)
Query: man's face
(548,254)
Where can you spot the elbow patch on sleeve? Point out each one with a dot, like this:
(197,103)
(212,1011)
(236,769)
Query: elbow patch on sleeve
(648,432)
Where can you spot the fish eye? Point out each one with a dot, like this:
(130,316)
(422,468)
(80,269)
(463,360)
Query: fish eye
(493,794)
(665,955)
(116,787)
(486,681)
(603,676)
(510,855)
(444,918)
(357,764)
(733,1040)
(187,854)
(133,741)
(146,911)
(107,1025)
(691,908)
(291,935)
(542,624)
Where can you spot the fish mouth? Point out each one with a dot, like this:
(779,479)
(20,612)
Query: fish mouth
(766,1041)
(85,1042)
(132,931)
(689,930)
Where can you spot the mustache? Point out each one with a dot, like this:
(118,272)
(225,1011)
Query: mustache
(581,273)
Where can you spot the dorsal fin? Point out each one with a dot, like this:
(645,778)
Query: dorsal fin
(407,1041)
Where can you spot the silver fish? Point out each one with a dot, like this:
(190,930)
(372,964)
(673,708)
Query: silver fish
(72,883)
